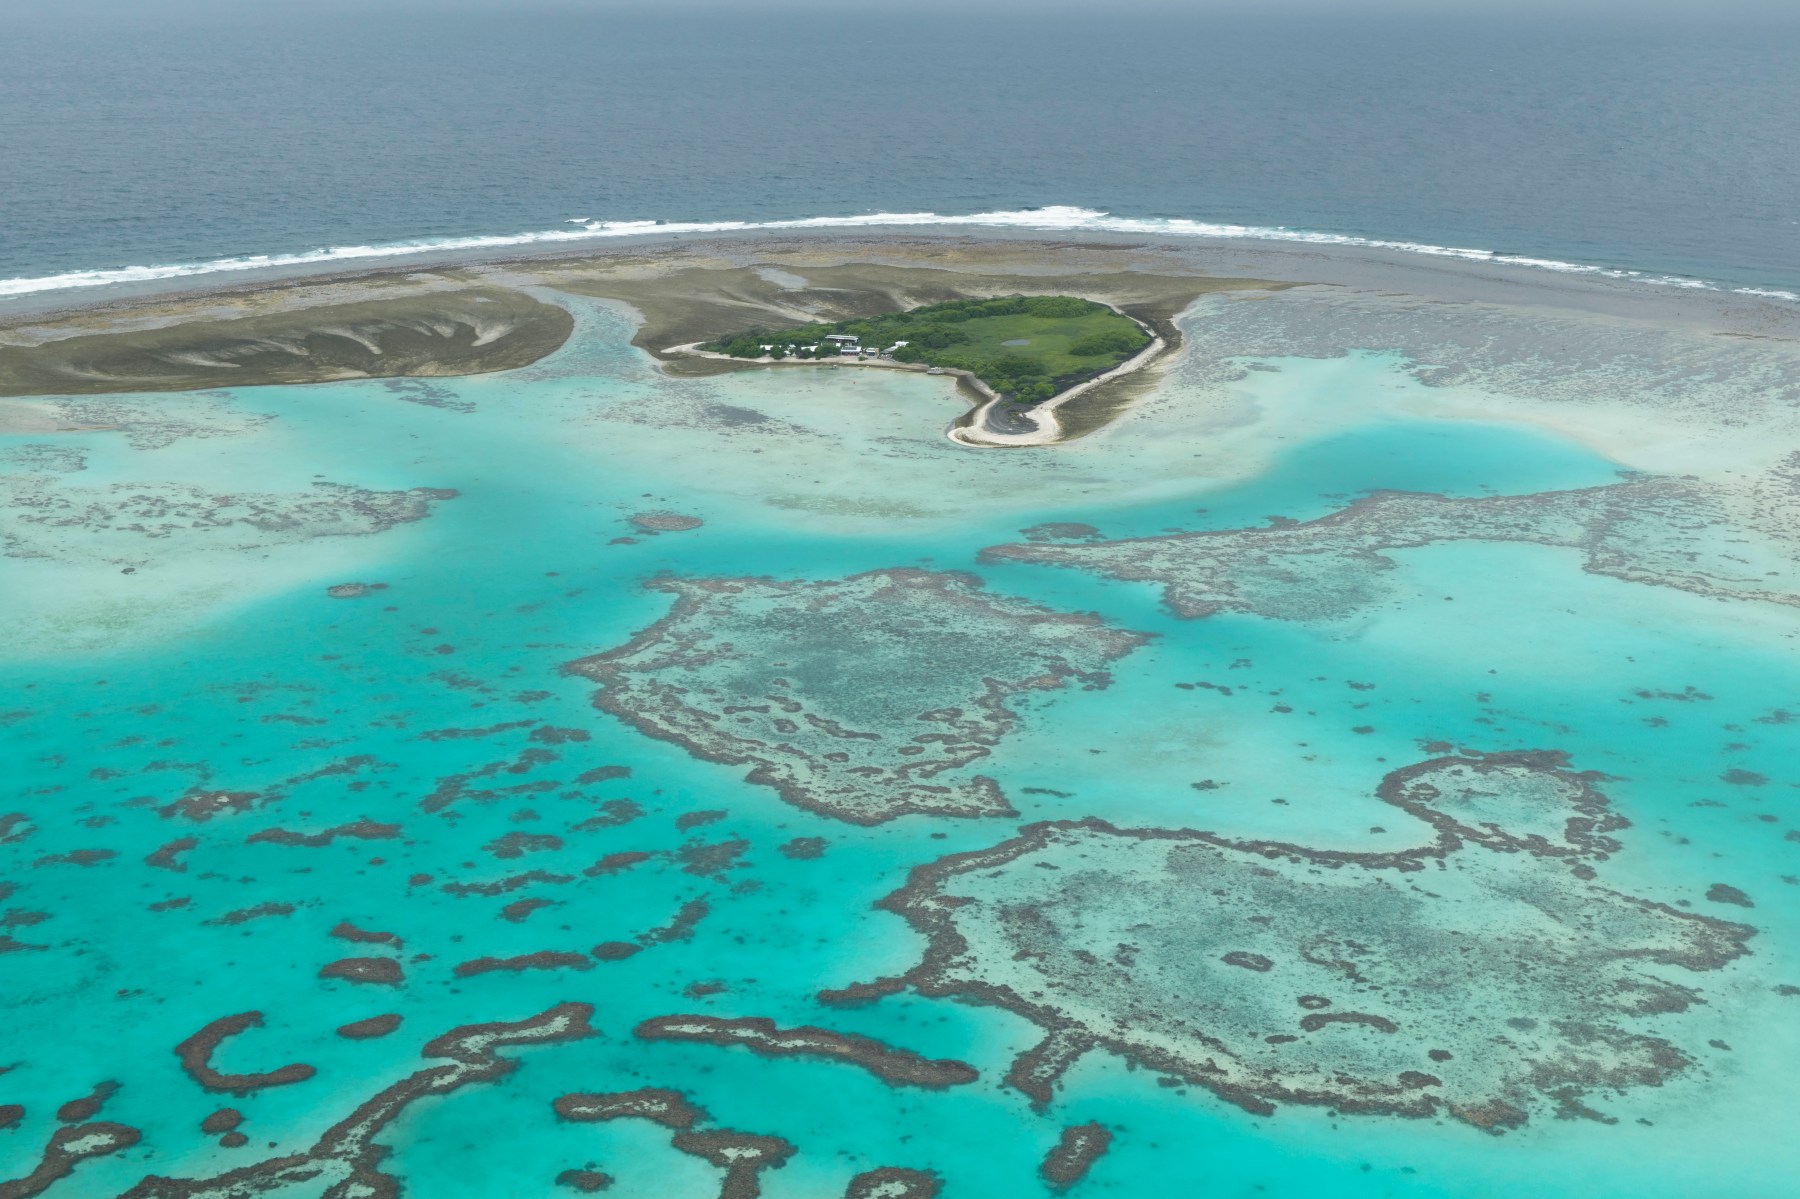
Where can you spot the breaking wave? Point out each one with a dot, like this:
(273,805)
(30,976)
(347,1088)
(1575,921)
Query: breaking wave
(1054,219)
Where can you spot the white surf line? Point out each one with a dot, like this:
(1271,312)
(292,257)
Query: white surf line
(1054,219)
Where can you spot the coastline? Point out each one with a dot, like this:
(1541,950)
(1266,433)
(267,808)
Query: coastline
(1370,266)
(681,290)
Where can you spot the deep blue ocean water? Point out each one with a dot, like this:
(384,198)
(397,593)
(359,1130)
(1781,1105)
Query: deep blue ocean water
(162,136)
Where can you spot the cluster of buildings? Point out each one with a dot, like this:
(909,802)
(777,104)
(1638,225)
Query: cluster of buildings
(844,343)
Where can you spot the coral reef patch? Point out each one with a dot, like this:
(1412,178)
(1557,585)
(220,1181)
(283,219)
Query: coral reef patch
(1666,532)
(1486,973)
(196,1059)
(345,1161)
(851,698)
(137,524)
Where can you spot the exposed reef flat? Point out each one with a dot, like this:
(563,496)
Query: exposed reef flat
(1661,531)
(659,1105)
(688,289)
(1488,973)
(852,697)
(67,1148)
(742,1155)
(179,348)
(894,1182)
(136,524)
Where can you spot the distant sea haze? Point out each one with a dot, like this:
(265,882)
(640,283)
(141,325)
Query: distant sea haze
(147,148)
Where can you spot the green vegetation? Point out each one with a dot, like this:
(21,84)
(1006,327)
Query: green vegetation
(1061,340)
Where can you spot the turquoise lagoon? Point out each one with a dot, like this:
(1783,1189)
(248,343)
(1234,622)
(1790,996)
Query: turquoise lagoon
(212,669)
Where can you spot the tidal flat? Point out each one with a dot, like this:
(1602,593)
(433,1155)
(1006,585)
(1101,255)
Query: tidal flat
(1360,763)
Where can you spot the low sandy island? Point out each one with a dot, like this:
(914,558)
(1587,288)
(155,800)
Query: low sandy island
(470,320)
(428,317)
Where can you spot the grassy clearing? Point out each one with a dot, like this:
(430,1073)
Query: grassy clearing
(1064,340)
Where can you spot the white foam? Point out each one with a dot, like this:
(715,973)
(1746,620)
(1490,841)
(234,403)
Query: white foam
(1053,219)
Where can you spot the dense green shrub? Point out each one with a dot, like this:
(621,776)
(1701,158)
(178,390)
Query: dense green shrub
(1119,341)
(1058,306)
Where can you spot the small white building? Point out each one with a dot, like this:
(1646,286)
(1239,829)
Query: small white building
(841,338)
(890,350)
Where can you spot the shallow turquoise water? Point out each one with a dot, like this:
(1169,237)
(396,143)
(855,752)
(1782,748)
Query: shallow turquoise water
(257,677)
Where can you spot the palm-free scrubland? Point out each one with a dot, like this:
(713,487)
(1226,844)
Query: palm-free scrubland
(1027,348)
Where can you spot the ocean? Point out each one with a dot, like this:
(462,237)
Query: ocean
(155,138)
(369,710)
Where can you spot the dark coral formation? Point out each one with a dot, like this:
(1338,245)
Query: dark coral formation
(664,522)
(680,926)
(616,951)
(196,1058)
(851,698)
(202,804)
(612,863)
(343,930)
(1059,530)
(384,971)
(168,857)
(1074,1154)
(370,1028)
(586,1182)
(543,959)
(861,994)
(1484,973)
(1661,531)
(363,830)
(345,1161)
(1726,893)
(75,1111)
(225,1119)
(353,590)
(254,912)
(517,843)
(896,1067)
